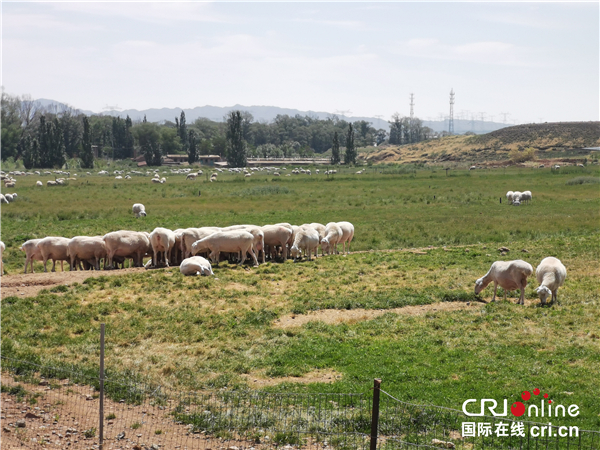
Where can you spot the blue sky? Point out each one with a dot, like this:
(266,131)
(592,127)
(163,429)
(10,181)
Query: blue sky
(534,61)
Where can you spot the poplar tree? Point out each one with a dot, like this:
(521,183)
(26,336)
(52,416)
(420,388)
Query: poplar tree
(87,154)
(335,150)
(350,155)
(236,145)
(192,149)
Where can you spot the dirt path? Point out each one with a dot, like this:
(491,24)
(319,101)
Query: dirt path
(30,284)
(334,316)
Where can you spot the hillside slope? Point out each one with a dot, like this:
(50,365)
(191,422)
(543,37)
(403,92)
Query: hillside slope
(548,139)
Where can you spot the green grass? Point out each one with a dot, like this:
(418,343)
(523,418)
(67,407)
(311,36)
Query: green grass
(389,210)
(211,333)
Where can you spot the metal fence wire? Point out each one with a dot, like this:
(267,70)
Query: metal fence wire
(58,408)
(405,425)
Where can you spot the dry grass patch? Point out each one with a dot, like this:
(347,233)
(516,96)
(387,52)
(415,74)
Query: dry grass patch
(258,380)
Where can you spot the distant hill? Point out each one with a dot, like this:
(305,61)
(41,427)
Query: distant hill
(549,140)
(267,114)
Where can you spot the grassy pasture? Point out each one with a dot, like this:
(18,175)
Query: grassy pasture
(214,333)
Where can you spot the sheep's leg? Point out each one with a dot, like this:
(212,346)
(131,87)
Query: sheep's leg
(62,268)
(495,288)
(254,257)
(53,265)
(45,261)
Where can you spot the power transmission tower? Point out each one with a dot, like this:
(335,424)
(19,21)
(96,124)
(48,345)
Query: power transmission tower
(451,118)
(343,112)
(412,105)
(504,115)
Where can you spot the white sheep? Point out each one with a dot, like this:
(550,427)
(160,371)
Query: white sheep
(55,248)
(306,239)
(139,210)
(39,183)
(9,198)
(510,275)
(196,265)
(234,241)
(3,199)
(347,235)
(32,253)
(162,241)
(551,274)
(525,196)
(156,180)
(333,233)
(191,176)
(509,196)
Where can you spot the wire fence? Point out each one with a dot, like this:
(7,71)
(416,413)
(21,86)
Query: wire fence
(51,408)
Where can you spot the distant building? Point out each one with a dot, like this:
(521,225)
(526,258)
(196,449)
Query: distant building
(209,160)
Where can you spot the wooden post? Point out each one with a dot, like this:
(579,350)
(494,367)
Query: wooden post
(101,424)
(375,414)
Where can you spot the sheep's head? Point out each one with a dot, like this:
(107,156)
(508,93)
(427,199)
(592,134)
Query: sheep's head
(479,286)
(295,251)
(325,244)
(143,213)
(543,292)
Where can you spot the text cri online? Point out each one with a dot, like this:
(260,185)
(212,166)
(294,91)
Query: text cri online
(517,429)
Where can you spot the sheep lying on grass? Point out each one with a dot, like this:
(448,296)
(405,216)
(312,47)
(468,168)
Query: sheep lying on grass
(551,274)
(510,275)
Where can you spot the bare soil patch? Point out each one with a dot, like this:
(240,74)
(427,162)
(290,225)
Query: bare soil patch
(258,380)
(335,316)
(30,284)
(61,416)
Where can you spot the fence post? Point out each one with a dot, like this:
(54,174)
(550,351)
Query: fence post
(101,424)
(375,414)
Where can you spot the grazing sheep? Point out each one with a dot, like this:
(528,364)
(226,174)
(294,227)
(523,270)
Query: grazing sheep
(541,166)
(139,210)
(32,252)
(510,275)
(191,176)
(509,196)
(127,244)
(88,249)
(347,235)
(9,184)
(156,180)
(516,197)
(191,235)
(277,236)
(525,196)
(551,274)
(306,239)
(3,199)
(235,241)
(580,165)
(55,248)
(333,233)
(2,248)
(196,265)
(51,183)
(39,183)
(162,241)
(9,198)
(259,237)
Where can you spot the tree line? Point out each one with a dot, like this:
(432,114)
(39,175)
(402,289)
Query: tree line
(46,137)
